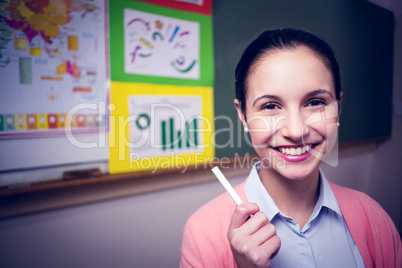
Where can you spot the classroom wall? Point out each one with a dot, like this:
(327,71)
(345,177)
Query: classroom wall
(146,230)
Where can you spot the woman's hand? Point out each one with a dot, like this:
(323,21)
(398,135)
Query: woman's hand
(252,237)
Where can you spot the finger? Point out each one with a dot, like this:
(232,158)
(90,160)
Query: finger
(271,246)
(255,222)
(242,213)
(263,234)
(261,256)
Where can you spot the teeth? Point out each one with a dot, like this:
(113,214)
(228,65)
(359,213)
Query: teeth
(295,151)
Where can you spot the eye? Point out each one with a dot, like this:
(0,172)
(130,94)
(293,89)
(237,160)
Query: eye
(270,106)
(316,102)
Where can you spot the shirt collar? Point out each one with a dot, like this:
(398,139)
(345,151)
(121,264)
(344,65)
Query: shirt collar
(256,193)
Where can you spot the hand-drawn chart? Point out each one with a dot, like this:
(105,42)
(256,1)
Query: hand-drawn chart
(165,125)
(157,45)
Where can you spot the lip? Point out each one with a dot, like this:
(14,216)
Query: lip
(295,158)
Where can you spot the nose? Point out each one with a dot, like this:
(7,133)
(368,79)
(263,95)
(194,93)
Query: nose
(293,127)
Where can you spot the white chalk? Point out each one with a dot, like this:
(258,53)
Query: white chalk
(227,185)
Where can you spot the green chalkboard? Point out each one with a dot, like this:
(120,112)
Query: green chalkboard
(361,35)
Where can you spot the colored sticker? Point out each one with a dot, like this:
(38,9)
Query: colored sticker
(52,78)
(81,120)
(61,120)
(70,121)
(72,42)
(82,89)
(91,120)
(62,68)
(9,122)
(20,43)
(52,120)
(25,70)
(31,121)
(20,122)
(1,122)
(42,121)
(101,120)
(35,51)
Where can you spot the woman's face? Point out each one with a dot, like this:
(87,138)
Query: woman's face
(291,111)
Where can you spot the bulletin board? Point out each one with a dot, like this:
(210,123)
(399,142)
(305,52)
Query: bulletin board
(201,83)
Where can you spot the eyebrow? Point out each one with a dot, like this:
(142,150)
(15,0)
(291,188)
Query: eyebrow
(308,95)
(317,92)
(266,96)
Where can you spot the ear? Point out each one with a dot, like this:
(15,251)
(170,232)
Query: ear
(340,103)
(240,113)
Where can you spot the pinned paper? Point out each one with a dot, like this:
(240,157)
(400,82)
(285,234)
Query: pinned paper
(156,122)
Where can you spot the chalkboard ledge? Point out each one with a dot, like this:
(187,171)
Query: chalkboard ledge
(61,193)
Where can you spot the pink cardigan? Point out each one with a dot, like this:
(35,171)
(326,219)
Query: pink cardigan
(205,243)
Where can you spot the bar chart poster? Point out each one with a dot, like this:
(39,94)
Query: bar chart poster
(165,125)
(156,127)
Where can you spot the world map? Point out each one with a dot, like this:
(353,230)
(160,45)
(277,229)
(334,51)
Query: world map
(52,58)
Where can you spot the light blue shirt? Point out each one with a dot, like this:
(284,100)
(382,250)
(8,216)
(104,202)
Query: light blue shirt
(324,241)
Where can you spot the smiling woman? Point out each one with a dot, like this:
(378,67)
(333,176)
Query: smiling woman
(288,96)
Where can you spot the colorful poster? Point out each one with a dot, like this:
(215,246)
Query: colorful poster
(159,126)
(161,46)
(53,60)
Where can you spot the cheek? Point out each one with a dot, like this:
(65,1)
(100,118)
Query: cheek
(260,129)
(328,131)
(324,121)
